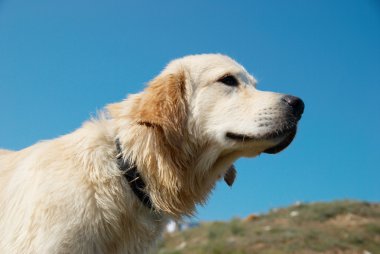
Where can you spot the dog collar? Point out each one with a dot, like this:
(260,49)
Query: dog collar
(133,177)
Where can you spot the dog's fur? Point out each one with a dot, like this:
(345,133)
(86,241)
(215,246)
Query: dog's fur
(68,195)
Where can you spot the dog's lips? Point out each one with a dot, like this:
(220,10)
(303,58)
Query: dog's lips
(285,136)
(240,137)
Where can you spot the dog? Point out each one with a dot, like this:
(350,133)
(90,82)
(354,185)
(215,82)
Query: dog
(112,185)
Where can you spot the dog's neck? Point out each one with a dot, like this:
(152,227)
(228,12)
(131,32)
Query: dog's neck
(177,179)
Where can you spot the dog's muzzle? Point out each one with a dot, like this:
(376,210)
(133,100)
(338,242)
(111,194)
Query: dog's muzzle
(296,107)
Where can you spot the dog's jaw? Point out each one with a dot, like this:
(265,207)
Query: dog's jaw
(283,144)
(280,139)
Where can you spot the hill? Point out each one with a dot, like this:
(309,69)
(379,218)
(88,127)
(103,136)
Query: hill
(342,227)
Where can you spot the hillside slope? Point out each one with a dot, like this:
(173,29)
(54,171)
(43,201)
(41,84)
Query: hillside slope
(339,227)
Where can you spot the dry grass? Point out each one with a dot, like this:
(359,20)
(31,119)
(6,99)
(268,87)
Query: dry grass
(344,227)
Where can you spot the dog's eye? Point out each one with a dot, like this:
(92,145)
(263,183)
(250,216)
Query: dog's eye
(229,80)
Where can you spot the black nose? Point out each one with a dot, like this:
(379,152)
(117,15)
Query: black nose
(296,104)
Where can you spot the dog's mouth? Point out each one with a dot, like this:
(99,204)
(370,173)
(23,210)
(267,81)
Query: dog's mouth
(285,136)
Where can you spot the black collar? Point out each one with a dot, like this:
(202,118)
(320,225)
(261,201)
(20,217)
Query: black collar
(133,177)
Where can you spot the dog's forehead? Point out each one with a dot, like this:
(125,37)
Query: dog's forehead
(210,62)
(209,66)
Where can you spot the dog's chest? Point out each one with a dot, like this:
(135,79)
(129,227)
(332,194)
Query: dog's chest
(143,235)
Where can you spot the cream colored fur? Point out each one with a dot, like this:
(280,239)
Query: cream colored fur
(68,195)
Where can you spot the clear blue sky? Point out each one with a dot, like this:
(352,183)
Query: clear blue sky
(61,61)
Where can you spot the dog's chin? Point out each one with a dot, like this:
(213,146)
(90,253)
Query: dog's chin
(282,139)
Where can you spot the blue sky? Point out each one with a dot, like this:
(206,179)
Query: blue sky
(62,61)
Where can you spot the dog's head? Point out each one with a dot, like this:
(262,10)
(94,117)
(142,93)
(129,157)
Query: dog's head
(205,112)
(225,107)
(214,99)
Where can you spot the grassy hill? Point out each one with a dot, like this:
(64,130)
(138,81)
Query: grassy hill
(343,227)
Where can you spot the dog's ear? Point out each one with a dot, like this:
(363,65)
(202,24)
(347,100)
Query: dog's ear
(161,106)
(230,175)
(163,102)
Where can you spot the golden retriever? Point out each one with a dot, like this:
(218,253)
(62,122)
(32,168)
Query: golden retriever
(111,185)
